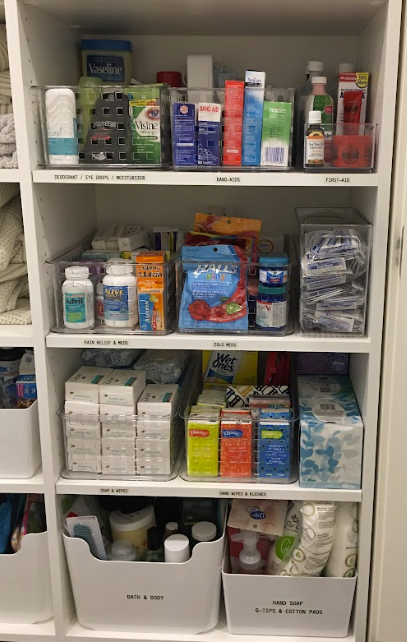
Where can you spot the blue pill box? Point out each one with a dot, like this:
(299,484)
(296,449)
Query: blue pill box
(184,140)
(26,387)
(274,455)
(331,433)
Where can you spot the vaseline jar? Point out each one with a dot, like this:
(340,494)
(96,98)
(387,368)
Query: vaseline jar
(109,60)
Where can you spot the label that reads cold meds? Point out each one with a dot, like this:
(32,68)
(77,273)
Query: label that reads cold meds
(107,68)
(75,307)
(116,302)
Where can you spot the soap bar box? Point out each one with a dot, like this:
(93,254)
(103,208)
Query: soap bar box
(158,400)
(83,385)
(331,441)
(122,388)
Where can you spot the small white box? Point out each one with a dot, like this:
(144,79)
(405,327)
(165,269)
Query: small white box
(110,410)
(117,465)
(81,408)
(158,400)
(154,447)
(85,463)
(120,447)
(200,70)
(122,388)
(133,240)
(78,414)
(118,430)
(83,385)
(154,428)
(112,242)
(83,446)
(83,431)
(153,468)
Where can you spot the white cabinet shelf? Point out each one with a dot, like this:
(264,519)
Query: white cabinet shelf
(34,484)
(18,336)
(100,176)
(41,632)
(218,634)
(178,487)
(180,341)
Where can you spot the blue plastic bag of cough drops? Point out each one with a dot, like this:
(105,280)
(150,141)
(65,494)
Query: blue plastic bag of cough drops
(215,288)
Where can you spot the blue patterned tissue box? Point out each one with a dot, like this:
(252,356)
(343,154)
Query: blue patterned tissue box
(331,440)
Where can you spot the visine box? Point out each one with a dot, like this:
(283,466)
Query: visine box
(184,141)
(331,440)
(83,385)
(209,131)
(122,387)
(158,400)
(233,123)
(253,117)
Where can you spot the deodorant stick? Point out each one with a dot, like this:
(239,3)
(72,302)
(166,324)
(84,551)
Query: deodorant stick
(60,107)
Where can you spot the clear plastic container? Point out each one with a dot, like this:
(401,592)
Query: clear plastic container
(127,446)
(228,295)
(156,304)
(351,148)
(255,443)
(112,126)
(210,127)
(334,270)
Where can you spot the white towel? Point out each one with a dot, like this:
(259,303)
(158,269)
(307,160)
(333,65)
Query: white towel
(3,48)
(7,192)
(19,255)
(11,226)
(6,109)
(10,292)
(5,83)
(20,316)
(9,162)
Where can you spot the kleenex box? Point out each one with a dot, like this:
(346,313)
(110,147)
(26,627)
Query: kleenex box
(158,400)
(83,385)
(122,387)
(331,439)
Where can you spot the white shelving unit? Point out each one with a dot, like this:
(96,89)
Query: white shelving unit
(62,207)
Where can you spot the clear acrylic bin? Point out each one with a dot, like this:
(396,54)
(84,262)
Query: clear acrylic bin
(155,305)
(240,447)
(222,129)
(130,446)
(334,270)
(348,147)
(259,294)
(104,126)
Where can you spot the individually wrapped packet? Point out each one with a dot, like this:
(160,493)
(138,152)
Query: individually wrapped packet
(238,396)
(264,516)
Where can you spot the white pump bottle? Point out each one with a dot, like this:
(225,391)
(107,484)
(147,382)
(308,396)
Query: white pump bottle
(250,562)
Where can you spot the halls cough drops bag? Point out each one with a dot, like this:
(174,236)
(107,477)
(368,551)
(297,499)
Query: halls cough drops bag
(215,288)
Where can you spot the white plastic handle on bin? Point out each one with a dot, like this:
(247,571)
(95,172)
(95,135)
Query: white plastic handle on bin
(25,583)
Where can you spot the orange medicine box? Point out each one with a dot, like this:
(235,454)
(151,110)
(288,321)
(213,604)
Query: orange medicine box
(233,122)
(150,290)
(236,446)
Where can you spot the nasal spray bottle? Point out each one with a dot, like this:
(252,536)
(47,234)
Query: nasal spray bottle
(250,562)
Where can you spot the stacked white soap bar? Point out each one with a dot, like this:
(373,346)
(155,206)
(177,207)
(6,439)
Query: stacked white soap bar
(83,433)
(155,448)
(118,397)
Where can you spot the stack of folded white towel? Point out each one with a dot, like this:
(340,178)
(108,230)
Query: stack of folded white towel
(8,154)
(14,299)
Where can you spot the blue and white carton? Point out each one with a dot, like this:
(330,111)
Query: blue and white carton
(255,82)
(331,440)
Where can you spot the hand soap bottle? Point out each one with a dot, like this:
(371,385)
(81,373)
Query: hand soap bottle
(250,562)
(155,551)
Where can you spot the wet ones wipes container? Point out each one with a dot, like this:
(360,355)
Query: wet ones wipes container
(109,60)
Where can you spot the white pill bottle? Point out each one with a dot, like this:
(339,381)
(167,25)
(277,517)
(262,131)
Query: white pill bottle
(120,295)
(78,298)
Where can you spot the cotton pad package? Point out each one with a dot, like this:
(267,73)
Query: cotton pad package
(214,295)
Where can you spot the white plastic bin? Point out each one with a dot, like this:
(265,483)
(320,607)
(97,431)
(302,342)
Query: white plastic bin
(147,597)
(25,584)
(297,606)
(20,452)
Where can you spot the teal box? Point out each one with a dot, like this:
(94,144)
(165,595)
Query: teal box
(331,439)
